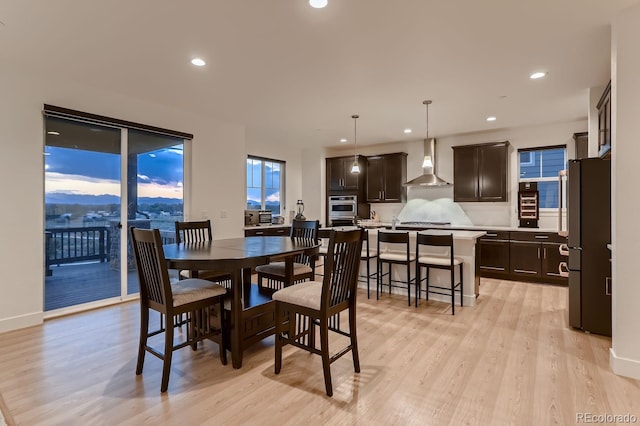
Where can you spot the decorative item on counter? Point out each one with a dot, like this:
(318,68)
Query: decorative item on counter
(394,222)
(300,207)
(373,216)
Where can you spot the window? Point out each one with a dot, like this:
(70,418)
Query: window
(542,165)
(265,184)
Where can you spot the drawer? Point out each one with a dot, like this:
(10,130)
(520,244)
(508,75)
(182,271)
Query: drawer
(496,235)
(541,237)
(261,232)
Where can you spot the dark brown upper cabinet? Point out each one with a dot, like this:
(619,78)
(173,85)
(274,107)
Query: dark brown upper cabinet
(386,175)
(480,172)
(339,176)
(604,123)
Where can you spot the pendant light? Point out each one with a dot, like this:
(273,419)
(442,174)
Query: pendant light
(355,169)
(427,162)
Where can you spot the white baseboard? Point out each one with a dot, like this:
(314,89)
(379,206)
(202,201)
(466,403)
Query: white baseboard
(624,366)
(22,321)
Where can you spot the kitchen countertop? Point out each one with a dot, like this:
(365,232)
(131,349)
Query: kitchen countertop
(266,226)
(465,228)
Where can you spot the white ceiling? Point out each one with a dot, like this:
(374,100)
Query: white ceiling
(296,74)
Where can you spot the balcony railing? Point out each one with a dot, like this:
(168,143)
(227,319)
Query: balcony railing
(70,245)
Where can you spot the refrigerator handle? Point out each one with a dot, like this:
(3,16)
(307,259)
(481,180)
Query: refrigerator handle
(607,286)
(562,176)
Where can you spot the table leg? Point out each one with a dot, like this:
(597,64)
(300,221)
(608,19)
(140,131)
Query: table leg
(236,315)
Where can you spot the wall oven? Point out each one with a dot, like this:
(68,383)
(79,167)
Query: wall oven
(343,209)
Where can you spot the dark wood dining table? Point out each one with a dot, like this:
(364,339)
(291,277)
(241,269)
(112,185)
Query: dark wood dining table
(252,313)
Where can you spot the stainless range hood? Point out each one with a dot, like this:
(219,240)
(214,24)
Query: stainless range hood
(428,177)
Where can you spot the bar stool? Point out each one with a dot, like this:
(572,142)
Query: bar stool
(394,257)
(367,254)
(439,262)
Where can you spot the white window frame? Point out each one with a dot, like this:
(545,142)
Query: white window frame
(542,179)
(263,179)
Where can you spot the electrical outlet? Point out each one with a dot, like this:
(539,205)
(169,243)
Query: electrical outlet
(223,214)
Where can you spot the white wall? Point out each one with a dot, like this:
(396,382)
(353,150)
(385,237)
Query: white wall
(497,214)
(219,156)
(625,351)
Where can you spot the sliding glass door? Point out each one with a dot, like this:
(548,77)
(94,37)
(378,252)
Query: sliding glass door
(99,180)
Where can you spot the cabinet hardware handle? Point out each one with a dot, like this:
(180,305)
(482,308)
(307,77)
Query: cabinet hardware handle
(491,235)
(607,286)
(493,268)
(553,274)
(538,252)
(544,253)
(564,250)
(542,237)
(260,233)
(524,271)
(563,270)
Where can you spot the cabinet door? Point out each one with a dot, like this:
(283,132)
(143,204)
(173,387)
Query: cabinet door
(551,259)
(492,173)
(465,174)
(394,178)
(375,175)
(493,256)
(335,173)
(350,179)
(524,258)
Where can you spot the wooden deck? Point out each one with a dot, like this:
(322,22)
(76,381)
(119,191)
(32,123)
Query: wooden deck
(79,283)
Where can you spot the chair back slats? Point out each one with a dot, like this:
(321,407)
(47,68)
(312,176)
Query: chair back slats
(435,241)
(152,270)
(341,268)
(193,232)
(304,231)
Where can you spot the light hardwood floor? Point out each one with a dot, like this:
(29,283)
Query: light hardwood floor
(510,360)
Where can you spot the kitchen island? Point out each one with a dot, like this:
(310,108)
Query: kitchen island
(464,246)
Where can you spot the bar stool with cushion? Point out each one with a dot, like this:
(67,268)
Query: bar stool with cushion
(447,261)
(192,296)
(368,253)
(399,254)
(199,232)
(302,307)
(276,274)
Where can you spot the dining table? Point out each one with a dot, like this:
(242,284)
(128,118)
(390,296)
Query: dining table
(251,310)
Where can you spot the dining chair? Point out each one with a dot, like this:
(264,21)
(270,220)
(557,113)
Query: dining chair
(447,261)
(274,275)
(395,252)
(198,232)
(193,297)
(302,307)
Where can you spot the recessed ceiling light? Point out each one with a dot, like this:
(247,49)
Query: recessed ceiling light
(492,118)
(343,140)
(318,4)
(407,130)
(53,133)
(198,62)
(537,75)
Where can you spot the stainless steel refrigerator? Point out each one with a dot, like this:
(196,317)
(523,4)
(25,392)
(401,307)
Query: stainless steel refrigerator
(589,226)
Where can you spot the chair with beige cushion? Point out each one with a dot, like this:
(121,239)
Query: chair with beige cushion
(193,297)
(445,261)
(395,251)
(274,275)
(302,307)
(198,232)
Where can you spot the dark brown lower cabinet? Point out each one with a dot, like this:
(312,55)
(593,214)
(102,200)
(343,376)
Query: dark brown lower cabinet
(524,258)
(521,256)
(274,231)
(493,254)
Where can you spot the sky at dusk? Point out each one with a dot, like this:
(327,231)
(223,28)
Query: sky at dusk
(72,171)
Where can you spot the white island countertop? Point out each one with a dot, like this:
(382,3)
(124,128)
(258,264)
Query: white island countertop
(374,225)
(457,234)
